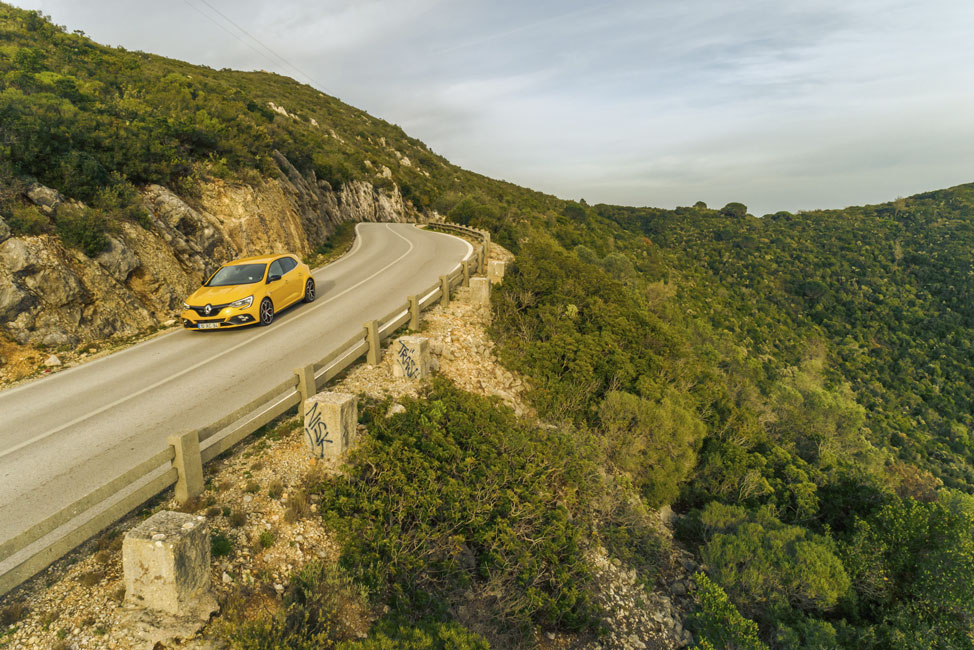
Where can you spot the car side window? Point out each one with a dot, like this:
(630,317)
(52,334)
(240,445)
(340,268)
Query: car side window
(288,264)
(276,268)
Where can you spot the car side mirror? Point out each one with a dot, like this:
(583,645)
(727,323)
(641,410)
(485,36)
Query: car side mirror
(274,277)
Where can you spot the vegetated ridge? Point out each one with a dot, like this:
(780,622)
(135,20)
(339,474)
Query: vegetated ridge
(796,387)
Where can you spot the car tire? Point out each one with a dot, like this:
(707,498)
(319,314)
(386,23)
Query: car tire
(266,312)
(309,290)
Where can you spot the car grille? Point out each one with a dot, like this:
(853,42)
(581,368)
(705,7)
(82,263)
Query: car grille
(201,310)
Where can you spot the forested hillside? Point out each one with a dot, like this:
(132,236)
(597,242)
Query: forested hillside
(798,387)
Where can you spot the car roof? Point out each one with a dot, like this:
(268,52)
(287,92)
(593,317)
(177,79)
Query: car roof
(261,259)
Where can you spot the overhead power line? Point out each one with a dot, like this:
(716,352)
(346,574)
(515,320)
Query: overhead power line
(280,59)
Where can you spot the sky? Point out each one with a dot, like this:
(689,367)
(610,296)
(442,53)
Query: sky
(778,104)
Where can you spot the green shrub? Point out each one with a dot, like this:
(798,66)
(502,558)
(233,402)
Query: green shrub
(27,220)
(717,623)
(915,561)
(655,443)
(82,228)
(767,566)
(457,497)
(121,200)
(431,636)
(220,545)
(321,608)
(267,539)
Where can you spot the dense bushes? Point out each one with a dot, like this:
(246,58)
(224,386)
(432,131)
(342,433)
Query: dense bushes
(797,383)
(766,565)
(456,506)
(655,443)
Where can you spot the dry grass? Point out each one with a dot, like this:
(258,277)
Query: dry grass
(12,613)
(91,578)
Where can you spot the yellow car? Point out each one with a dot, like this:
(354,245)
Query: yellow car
(249,290)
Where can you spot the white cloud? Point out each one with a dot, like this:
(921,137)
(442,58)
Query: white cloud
(779,105)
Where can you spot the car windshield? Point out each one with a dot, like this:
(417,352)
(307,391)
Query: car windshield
(237,274)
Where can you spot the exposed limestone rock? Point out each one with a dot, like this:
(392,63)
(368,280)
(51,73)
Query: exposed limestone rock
(362,202)
(52,361)
(16,256)
(195,237)
(13,299)
(118,260)
(58,296)
(45,198)
(54,286)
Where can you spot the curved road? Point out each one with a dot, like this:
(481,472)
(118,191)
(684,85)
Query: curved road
(64,435)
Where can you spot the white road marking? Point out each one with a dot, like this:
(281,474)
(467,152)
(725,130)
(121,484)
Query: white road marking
(200,364)
(114,355)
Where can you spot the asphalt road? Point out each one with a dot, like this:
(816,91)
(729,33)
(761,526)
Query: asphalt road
(66,434)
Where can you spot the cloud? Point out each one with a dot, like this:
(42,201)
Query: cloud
(778,105)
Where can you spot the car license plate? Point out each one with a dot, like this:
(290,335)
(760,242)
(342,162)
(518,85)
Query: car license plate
(208,326)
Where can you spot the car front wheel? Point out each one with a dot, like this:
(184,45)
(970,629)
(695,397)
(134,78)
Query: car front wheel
(266,312)
(309,290)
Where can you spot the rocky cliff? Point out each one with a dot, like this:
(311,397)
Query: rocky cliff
(56,296)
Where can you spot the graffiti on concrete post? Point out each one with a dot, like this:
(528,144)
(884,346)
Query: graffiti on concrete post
(406,362)
(317,431)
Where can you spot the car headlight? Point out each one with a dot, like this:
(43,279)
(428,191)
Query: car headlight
(243,303)
(185,305)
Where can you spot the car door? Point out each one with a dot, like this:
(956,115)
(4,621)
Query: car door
(279,291)
(293,279)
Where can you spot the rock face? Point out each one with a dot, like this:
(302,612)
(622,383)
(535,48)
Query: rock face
(56,296)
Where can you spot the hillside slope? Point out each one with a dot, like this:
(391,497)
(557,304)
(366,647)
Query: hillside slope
(157,171)
(796,387)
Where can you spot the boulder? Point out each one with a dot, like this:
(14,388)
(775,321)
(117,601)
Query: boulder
(54,286)
(13,299)
(118,260)
(45,198)
(16,256)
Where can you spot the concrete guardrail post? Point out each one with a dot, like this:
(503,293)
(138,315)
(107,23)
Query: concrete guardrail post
(466,273)
(413,312)
(412,354)
(495,272)
(166,565)
(444,291)
(483,263)
(479,291)
(306,384)
(189,465)
(330,424)
(372,336)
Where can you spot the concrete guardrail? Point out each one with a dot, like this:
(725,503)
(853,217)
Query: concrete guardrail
(181,463)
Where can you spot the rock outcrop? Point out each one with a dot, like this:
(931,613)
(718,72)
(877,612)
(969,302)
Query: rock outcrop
(57,296)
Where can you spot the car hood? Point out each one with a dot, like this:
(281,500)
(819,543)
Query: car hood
(221,295)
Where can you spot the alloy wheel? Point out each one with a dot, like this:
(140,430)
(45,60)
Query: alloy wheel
(266,312)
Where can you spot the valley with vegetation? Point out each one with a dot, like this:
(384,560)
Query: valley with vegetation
(795,391)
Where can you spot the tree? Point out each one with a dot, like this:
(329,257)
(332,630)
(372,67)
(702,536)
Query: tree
(767,566)
(735,210)
(656,443)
